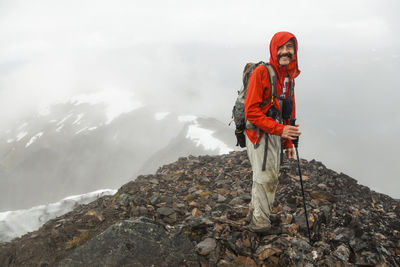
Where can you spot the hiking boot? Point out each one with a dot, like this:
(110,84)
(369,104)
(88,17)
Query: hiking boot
(259,228)
(249,216)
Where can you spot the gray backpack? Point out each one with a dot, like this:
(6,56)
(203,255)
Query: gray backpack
(238,109)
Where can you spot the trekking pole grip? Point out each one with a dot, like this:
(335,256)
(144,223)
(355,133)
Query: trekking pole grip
(295,141)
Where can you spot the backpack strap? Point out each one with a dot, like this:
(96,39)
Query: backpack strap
(291,88)
(264,163)
(272,79)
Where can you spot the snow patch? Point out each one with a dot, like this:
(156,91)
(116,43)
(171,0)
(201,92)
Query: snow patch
(78,118)
(21,135)
(205,138)
(117,102)
(17,223)
(59,128)
(4,214)
(187,118)
(34,138)
(10,140)
(81,130)
(92,128)
(64,119)
(161,115)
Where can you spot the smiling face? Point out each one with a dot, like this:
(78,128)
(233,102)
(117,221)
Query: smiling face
(285,53)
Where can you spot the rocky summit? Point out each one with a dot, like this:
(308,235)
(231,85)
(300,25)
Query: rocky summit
(193,213)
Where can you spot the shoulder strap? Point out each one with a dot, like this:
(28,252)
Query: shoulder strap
(272,79)
(291,88)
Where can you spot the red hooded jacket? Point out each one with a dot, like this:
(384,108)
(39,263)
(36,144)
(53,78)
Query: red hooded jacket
(259,82)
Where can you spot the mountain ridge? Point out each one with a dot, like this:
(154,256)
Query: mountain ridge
(73,149)
(206,198)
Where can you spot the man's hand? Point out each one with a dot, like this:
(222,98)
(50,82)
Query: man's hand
(291,132)
(290,153)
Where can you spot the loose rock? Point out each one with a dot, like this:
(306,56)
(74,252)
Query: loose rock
(204,200)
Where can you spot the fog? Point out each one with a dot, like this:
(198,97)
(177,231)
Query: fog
(188,56)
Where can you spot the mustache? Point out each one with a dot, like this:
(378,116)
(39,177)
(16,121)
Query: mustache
(289,55)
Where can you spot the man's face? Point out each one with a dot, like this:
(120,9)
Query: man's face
(285,53)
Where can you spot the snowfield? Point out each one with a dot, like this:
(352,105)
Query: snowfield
(17,223)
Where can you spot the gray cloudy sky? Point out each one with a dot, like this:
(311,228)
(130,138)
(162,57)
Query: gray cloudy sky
(188,56)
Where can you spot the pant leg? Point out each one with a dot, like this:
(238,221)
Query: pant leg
(264,182)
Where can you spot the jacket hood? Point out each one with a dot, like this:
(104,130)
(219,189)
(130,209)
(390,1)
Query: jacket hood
(279,39)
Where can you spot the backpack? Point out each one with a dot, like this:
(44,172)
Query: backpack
(238,109)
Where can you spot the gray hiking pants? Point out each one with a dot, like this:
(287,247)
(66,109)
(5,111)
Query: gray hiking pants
(264,182)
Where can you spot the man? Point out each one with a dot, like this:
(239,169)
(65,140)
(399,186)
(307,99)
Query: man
(270,128)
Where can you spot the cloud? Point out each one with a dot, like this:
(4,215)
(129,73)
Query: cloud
(187,56)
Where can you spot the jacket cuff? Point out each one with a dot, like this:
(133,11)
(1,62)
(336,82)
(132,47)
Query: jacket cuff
(287,143)
(279,129)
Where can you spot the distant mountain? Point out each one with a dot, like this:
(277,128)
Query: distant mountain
(16,223)
(198,136)
(76,147)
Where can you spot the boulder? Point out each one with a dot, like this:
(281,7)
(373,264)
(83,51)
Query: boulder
(141,242)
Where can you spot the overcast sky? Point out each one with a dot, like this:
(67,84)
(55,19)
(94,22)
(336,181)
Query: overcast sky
(188,56)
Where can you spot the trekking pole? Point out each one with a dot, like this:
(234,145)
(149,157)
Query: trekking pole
(296,143)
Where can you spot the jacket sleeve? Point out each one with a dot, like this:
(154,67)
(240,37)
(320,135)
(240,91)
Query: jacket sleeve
(287,143)
(257,82)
